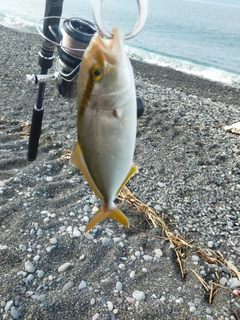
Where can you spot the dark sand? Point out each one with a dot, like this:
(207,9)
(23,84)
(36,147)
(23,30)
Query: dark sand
(189,169)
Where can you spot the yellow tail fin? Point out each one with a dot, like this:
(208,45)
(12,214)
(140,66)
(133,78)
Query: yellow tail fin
(103,213)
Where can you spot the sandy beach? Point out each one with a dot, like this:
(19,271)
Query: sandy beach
(189,176)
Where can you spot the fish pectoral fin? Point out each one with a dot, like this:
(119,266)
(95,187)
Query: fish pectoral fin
(131,172)
(78,161)
(103,213)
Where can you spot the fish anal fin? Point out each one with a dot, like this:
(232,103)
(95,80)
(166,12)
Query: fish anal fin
(131,172)
(103,213)
(78,161)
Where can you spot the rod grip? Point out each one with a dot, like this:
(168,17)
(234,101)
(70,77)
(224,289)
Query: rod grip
(35,131)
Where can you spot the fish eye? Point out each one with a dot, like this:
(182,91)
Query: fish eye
(96,73)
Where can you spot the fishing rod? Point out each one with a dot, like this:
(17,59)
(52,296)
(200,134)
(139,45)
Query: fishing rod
(71,44)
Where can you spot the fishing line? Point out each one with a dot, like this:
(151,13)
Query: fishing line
(68,43)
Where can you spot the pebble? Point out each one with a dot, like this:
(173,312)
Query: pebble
(223,281)
(209,317)
(14,313)
(110,305)
(39,233)
(146,257)
(30,278)
(8,305)
(138,295)
(22,274)
(119,286)
(86,208)
(82,285)
(161,185)
(233,283)
(158,253)
(49,179)
(36,258)
(64,267)
(40,274)
(208,311)
(132,274)
(68,285)
(210,244)
(92,301)
(53,241)
(29,267)
(106,242)
(96,316)
(76,233)
(195,258)
(130,300)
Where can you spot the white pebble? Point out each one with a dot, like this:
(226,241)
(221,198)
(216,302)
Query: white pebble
(96,316)
(29,267)
(8,305)
(132,274)
(138,295)
(49,179)
(121,266)
(137,253)
(110,305)
(144,269)
(49,249)
(85,219)
(119,286)
(233,283)
(64,267)
(147,257)
(76,233)
(86,208)
(158,253)
(36,258)
(82,285)
(92,301)
(106,242)
(53,241)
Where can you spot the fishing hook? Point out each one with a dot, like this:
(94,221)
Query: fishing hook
(141,19)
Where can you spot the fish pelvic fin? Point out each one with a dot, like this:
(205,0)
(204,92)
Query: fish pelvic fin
(104,213)
(131,172)
(78,161)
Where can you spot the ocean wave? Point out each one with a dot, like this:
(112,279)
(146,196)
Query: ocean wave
(185,66)
(11,21)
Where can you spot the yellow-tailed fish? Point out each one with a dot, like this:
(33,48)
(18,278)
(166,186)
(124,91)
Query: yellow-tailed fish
(106,121)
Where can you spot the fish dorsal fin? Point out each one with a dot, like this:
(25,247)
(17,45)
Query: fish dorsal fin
(131,172)
(78,161)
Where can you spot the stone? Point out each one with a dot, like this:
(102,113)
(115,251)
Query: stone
(138,295)
(64,267)
(29,267)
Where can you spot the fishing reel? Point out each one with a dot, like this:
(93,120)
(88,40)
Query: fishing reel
(71,44)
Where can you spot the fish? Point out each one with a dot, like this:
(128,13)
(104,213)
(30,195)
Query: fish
(106,122)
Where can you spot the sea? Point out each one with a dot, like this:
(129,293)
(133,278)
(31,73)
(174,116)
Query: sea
(198,37)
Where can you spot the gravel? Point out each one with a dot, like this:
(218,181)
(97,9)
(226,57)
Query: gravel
(189,171)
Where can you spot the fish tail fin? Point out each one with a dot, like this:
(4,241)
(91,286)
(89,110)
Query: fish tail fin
(103,213)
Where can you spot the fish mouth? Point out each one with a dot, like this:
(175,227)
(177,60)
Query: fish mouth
(108,50)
